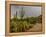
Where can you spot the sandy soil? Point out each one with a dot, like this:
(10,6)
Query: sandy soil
(36,28)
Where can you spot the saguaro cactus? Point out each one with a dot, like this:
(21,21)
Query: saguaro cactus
(22,12)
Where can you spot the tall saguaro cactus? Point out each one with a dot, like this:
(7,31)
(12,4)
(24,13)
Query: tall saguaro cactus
(15,14)
(22,12)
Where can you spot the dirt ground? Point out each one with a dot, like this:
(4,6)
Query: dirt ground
(36,28)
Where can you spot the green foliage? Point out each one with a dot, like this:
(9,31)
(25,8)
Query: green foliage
(32,20)
(22,25)
(40,19)
(18,25)
(12,27)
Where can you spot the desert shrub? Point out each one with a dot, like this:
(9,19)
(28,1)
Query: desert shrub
(32,20)
(12,27)
(22,25)
(40,19)
(25,26)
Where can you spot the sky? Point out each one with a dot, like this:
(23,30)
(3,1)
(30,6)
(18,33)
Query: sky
(29,10)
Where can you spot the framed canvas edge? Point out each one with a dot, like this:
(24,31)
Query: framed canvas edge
(27,33)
